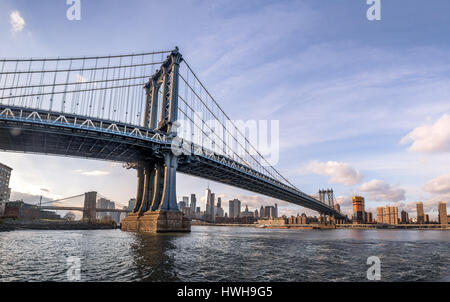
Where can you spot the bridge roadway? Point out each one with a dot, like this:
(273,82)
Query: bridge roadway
(81,209)
(53,133)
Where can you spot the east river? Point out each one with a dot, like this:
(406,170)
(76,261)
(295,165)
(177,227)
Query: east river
(226,254)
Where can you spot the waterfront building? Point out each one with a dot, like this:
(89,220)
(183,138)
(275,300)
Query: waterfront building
(358,210)
(427,219)
(404,217)
(443,218)
(368,217)
(262,213)
(5,175)
(19,209)
(387,215)
(420,213)
(256,214)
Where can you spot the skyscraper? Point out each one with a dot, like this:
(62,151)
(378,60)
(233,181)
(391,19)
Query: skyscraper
(234,208)
(420,213)
(193,203)
(131,204)
(5,174)
(404,217)
(213,207)
(358,209)
(443,218)
(219,210)
(262,212)
(208,202)
(186,201)
(387,215)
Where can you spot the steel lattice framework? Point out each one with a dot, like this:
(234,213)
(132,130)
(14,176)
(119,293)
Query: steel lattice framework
(125,108)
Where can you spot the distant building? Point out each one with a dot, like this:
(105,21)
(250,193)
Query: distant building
(19,209)
(427,218)
(219,210)
(358,210)
(186,200)
(256,214)
(387,215)
(5,175)
(102,203)
(193,203)
(368,217)
(247,213)
(131,204)
(234,208)
(404,217)
(269,211)
(420,213)
(209,197)
(443,217)
(337,207)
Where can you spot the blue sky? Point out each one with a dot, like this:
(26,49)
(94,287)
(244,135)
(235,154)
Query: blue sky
(347,91)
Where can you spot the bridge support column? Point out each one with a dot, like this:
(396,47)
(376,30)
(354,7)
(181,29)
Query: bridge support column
(156,207)
(89,208)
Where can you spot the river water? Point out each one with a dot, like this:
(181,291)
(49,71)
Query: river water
(226,254)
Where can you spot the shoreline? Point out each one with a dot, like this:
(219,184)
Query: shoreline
(330,227)
(8,225)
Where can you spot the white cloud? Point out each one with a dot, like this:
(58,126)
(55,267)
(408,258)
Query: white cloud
(438,185)
(91,173)
(17,22)
(379,190)
(430,138)
(338,171)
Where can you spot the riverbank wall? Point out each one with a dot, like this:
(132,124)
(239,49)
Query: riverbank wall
(47,224)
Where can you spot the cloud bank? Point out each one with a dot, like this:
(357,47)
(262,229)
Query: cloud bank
(430,138)
(17,22)
(379,190)
(338,171)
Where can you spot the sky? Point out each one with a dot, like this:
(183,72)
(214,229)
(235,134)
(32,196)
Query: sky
(363,106)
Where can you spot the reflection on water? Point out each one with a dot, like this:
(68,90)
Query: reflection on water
(226,254)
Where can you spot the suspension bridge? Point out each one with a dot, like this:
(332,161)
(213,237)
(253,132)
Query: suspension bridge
(128,108)
(86,203)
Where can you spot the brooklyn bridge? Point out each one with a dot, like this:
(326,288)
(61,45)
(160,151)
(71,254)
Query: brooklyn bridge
(127,108)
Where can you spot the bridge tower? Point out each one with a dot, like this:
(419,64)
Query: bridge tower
(89,208)
(156,208)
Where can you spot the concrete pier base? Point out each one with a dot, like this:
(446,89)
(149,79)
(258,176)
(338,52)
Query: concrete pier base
(157,222)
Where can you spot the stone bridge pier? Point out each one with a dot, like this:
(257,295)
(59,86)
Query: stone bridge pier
(156,208)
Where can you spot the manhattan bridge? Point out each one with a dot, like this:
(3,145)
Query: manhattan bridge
(126,108)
